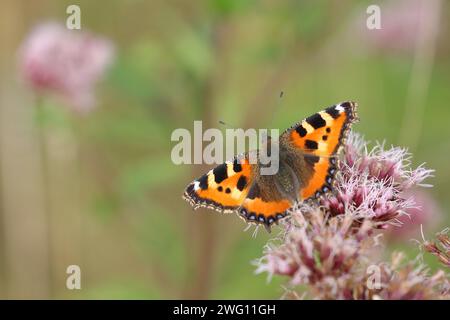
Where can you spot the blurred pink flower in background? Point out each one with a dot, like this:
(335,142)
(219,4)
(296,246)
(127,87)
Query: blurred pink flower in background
(66,63)
(426,212)
(403,23)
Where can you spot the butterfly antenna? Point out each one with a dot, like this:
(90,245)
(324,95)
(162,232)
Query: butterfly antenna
(280,97)
(278,104)
(225,124)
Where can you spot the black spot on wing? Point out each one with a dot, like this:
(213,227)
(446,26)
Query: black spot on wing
(242,182)
(332,111)
(301,131)
(316,121)
(310,144)
(203,182)
(237,166)
(220,173)
(346,105)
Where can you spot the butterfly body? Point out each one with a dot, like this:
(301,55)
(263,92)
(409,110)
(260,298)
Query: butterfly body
(307,168)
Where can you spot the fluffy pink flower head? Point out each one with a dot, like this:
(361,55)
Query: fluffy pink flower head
(66,63)
(317,250)
(373,184)
(328,245)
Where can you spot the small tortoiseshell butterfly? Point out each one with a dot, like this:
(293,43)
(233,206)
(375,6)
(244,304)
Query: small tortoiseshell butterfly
(307,168)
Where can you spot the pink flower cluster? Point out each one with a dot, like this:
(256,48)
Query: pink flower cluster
(66,63)
(318,251)
(408,280)
(373,185)
(327,246)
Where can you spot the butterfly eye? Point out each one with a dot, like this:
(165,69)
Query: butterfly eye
(220,188)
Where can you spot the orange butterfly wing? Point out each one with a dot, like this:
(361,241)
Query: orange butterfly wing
(224,188)
(259,208)
(321,135)
(230,187)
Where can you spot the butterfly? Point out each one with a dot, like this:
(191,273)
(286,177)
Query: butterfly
(307,170)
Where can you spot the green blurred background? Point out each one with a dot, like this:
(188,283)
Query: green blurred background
(109,199)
